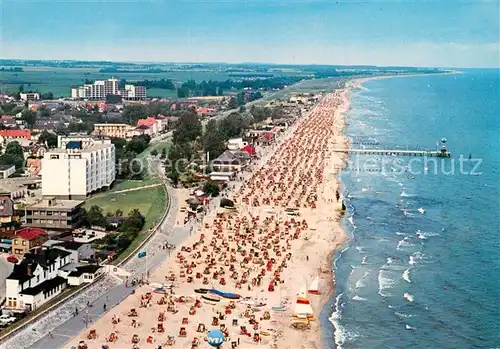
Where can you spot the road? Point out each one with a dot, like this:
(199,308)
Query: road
(5,270)
(110,290)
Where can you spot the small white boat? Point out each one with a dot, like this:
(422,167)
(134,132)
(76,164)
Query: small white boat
(421,210)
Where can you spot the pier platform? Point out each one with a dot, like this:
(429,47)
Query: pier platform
(396,152)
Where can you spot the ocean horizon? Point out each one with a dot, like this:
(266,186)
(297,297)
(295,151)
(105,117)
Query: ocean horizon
(420,269)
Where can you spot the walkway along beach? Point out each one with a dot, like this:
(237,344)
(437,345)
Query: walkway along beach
(259,260)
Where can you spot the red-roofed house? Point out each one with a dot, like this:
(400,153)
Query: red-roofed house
(150,122)
(27,238)
(16,134)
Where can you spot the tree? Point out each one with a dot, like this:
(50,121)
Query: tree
(232,125)
(232,103)
(277,113)
(134,222)
(119,213)
(182,92)
(137,144)
(61,129)
(29,117)
(163,153)
(211,188)
(95,216)
(47,96)
(188,128)
(213,140)
(154,152)
(44,111)
(13,155)
(134,112)
(14,148)
(47,138)
(240,98)
(174,176)
(10,159)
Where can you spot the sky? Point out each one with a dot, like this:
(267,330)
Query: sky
(446,33)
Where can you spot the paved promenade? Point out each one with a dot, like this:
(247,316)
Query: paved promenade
(62,322)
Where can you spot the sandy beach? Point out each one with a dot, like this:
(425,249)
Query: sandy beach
(269,257)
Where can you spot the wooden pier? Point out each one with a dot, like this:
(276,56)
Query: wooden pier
(396,152)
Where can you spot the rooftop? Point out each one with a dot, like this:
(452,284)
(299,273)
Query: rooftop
(45,256)
(6,167)
(89,269)
(29,233)
(20,271)
(49,203)
(45,286)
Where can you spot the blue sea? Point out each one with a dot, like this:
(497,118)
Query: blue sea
(422,267)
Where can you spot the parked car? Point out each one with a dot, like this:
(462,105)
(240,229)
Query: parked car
(6,320)
(12,259)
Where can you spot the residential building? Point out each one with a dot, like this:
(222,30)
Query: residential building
(79,251)
(6,171)
(84,274)
(36,279)
(52,213)
(15,134)
(102,88)
(230,161)
(236,144)
(141,130)
(27,238)
(154,124)
(112,130)
(29,96)
(8,121)
(9,220)
(80,166)
(133,92)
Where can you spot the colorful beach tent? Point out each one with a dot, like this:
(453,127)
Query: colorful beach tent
(303,308)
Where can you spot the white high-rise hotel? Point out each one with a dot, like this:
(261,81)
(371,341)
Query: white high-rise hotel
(101,88)
(79,166)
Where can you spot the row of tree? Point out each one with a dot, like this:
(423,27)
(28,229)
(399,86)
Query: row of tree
(126,152)
(95,217)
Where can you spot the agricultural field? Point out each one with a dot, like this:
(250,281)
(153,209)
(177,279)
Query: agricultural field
(59,81)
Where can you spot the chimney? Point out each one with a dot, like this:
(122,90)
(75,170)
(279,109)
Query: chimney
(29,269)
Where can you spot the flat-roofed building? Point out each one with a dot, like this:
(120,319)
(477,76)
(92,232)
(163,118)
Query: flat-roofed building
(112,130)
(52,213)
(80,166)
(29,96)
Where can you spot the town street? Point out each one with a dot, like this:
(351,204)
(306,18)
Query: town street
(5,270)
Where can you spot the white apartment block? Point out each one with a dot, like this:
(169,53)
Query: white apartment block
(134,92)
(29,96)
(80,166)
(101,88)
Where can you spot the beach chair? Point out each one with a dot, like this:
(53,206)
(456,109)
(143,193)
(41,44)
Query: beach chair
(182,332)
(92,334)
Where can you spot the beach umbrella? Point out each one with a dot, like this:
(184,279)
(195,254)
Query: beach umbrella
(215,338)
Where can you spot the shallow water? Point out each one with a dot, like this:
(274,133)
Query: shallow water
(423,278)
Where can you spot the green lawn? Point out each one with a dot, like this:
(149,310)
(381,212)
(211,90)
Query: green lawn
(150,202)
(155,212)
